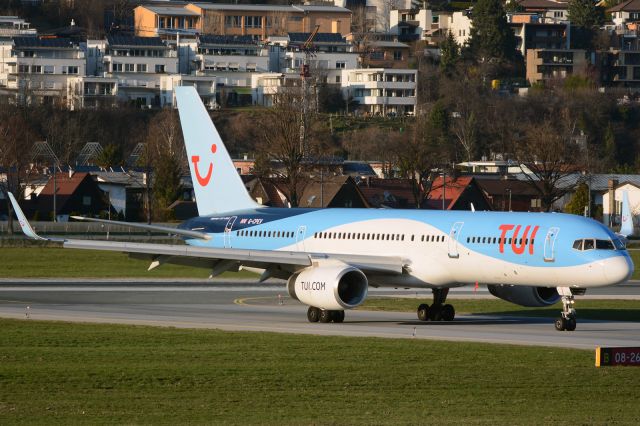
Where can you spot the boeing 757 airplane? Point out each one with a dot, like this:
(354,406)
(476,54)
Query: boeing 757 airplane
(330,257)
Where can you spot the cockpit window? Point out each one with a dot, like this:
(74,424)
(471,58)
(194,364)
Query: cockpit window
(604,245)
(591,244)
(619,244)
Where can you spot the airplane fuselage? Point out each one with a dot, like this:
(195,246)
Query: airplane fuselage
(441,248)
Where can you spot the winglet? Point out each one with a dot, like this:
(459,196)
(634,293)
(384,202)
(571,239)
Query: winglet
(24,223)
(626,217)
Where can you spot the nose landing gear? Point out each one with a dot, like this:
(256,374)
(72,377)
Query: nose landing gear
(567,320)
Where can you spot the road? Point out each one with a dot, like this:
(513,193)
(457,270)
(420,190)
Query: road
(247,306)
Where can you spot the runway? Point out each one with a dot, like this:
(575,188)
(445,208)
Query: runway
(247,306)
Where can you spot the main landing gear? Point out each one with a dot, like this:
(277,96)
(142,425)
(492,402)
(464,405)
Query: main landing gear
(438,311)
(567,321)
(323,315)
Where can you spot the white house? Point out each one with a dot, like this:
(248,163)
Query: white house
(138,63)
(612,207)
(381,91)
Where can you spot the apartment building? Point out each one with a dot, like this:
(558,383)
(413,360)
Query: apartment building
(166,21)
(431,26)
(230,53)
(12,26)
(88,91)
(625,66)
(36,70)
(330,54)
(549,64)
(259,21)
(625,12)
(381,91)
(138,63)
(548,11)
(539,35)
(265,87)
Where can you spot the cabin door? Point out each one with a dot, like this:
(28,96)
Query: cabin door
(302,230)
(453,239)
(227,231)
(549,244)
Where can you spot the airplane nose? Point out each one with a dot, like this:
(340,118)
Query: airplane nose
(618,269)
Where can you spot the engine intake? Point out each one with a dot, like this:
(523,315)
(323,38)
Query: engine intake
(533,297)
(332,285)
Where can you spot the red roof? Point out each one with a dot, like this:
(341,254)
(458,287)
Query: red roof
(65,185)
(452,190)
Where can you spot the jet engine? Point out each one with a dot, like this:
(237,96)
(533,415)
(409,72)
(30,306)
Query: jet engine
(525,296)
(330,286)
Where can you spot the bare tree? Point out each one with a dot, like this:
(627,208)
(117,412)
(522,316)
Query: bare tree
(166,153)
(547,157)
(281,142)
(16,140)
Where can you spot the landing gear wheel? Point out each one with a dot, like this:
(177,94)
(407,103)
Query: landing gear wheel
(571,324)
(313,314)
(561,324)
(448,312)
(435,313)
(568,319)
(423,312)
(326,315)
(338,316)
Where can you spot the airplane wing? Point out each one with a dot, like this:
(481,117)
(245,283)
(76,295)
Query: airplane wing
(279,264)
(167,229)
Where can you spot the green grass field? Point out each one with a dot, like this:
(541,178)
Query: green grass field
(78,373)
(611,310)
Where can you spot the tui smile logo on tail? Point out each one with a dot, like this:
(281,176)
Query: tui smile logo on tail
(195,159)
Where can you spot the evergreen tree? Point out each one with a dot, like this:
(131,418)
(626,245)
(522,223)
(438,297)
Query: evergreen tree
(491,37)
(585,16)
(579,201)
(449,54)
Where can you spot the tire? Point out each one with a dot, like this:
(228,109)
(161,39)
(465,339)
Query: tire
(448,313)
(435,313)
(326,316)
(338,316)
(313,314)
(561,324)
(571,324)
(423,312)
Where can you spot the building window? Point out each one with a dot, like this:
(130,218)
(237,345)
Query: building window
(558,14)
(86,200)
(338,79)
(117,67)
(397,55)
(159,69)
(141,67)
(253,21)
(36,69)
(73,70)
(129,68)
(48,69)
(295,18)
(233,21)
(23,69)
(341,65)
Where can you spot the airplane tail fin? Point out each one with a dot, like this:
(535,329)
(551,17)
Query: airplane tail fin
(217,185)
(626,227)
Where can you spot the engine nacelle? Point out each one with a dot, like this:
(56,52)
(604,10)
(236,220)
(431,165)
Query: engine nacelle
(533,297)
(332,285)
